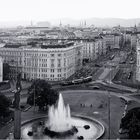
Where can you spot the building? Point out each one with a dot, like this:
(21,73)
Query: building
(1,69)
(133,40)
(89,50)
(113,41)
(78,33)
(52,62)
(93,49)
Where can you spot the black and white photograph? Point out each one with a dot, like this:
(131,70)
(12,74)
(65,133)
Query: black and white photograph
(69,69)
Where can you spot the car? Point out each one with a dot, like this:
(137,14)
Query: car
(66,83)
(129,75)
(131,62)
(97,65)
(112,57)
(125,99)
(13,91)
(77,81)
(95,87)
(122,62)
(87,79)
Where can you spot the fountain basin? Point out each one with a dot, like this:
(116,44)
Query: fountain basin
(94,131)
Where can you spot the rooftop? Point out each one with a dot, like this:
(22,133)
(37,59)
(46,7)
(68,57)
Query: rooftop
(43,46)
(12,46)
(58,45)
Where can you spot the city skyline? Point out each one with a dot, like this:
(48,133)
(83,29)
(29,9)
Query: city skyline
(16,11)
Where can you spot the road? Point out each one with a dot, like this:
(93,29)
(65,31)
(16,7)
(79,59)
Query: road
(108,70)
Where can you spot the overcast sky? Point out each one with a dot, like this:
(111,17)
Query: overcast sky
(38,10)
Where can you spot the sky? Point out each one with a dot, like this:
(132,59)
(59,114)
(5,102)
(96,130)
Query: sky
(40,10)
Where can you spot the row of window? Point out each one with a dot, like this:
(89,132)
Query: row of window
(43,55)
(43,70)
(45,75)
(10,53)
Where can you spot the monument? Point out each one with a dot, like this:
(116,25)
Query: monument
(17,113)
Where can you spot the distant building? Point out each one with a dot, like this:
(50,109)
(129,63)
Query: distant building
(127,36)
(43,24)
(78,33)
(1,69)
(113,41)
(66,35)
(52,62)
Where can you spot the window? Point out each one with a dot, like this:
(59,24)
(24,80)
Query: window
(52,70)
(52,55)
(52,62)
(59,75)
(59,55)
(59,70)
(51,75)
(59,62)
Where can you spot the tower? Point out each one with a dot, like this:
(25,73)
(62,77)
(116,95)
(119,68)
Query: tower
(60,24)
(31,23)
(85,24)
(135,28)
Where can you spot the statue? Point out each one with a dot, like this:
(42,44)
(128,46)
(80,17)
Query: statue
(18,84)
(17,93)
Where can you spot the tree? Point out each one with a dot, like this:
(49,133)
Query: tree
(131,123)
(6,71)
(41,94)
(4,105)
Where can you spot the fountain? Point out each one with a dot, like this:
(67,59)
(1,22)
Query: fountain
(59,118)
(61,125)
